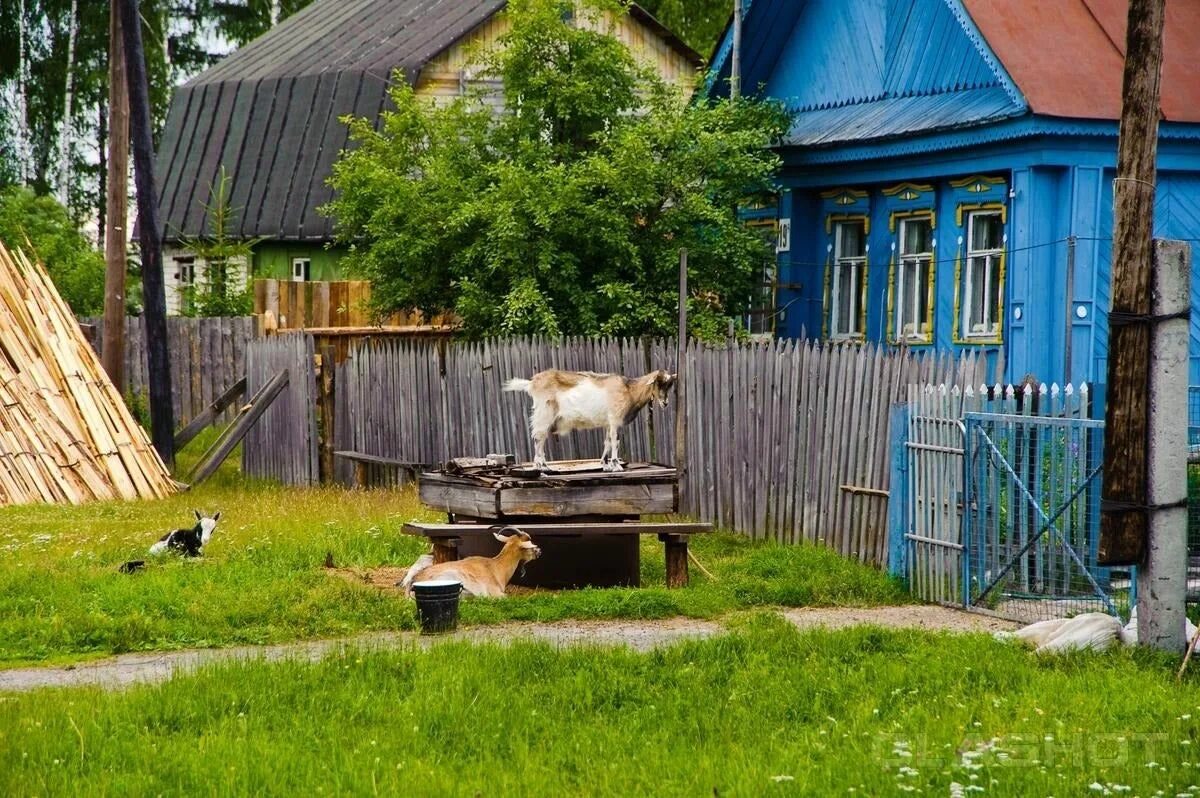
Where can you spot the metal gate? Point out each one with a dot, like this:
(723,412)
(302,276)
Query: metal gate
(1031,517)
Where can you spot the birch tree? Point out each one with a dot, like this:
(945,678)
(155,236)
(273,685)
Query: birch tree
(68,127)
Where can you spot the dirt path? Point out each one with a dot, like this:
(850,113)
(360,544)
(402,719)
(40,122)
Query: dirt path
(127,669)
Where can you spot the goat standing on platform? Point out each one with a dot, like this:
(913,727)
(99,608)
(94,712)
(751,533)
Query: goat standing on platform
(568,400)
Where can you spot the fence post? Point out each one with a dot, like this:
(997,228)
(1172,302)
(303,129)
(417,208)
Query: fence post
(898,493)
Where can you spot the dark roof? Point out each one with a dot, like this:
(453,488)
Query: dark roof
(269,112)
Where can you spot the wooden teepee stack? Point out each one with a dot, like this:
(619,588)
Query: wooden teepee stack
(66,435)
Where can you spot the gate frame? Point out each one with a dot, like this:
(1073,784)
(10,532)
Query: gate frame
(972,424)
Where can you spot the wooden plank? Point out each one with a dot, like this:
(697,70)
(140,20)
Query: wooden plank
(233,435)
(209,414)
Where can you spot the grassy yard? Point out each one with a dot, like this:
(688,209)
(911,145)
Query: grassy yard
(765,710)
(261,581)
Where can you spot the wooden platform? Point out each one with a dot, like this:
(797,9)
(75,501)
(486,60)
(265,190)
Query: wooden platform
(473,488)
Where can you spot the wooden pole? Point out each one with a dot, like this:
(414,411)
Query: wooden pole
(735,56)
(1123,517)
(680,383)
(112,346)
(162,422)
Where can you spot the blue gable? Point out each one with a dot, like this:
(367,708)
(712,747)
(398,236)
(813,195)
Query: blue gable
(872,69)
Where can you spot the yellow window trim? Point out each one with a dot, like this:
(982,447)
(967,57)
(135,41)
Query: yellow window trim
(827,311)
(892,335)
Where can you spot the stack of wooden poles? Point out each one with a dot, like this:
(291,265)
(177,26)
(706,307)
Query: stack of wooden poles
(66,436)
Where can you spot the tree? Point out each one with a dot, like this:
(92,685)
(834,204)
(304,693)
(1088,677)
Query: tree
(565,213)
(76,269)
(697,22)
(219,293)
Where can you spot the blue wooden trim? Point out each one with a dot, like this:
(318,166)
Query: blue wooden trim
(985,52)
(1022,127)
(898,494)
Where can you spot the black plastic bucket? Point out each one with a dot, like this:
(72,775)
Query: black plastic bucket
(437,605)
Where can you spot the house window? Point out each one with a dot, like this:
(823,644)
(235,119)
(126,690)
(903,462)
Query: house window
(301,269)
(185,283)
(982,278)
(760,312)
(914,280)
(848,279)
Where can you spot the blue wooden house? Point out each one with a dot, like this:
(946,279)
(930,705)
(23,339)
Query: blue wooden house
(947,180)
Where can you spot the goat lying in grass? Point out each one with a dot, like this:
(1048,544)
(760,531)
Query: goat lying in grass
(188,542)
(568,400)
(1091,630)
(480,576)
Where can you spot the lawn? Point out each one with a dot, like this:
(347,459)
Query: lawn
(261,581)
(764,710)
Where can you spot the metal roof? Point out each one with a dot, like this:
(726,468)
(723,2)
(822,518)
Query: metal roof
(900,116)
(872,70)
(269,112)
(1068,56)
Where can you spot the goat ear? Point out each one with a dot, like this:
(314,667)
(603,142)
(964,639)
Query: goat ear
(217,517)
(198,516)
(499,537)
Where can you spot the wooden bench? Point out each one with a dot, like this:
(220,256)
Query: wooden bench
(564,554)
(361,461)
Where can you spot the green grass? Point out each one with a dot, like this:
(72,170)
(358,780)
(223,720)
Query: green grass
(62,598)
(765,710)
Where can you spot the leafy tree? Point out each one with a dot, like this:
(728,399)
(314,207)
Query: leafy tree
(564,214)
(219,293)
(697,22)
(75,267)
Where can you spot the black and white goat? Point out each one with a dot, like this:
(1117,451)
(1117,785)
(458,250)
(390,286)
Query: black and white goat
(188,542)
(567,400)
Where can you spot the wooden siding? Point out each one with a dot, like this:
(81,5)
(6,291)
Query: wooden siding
(456,70)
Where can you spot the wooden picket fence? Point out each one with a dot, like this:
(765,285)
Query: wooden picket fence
(207,357)
(283,445)
(787,440)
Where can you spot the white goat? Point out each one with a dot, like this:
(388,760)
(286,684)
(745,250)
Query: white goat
(480,576)
(569,400)
(1096,631)
(1131,628)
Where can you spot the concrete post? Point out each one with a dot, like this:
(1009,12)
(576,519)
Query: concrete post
(1162,579)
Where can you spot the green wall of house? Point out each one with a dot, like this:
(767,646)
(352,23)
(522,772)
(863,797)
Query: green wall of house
(274,259)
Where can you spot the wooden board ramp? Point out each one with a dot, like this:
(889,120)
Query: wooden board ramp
(66,435)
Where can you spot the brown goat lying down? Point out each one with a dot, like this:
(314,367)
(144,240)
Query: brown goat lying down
(480,576)
(567,400)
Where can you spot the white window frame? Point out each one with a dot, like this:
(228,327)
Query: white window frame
(923,263)
(185,265)
(306,274)
(856,266)
(993,263)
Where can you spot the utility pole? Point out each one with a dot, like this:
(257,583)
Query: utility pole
(1125,517)
(112,346)
(162,423)
(735,57)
